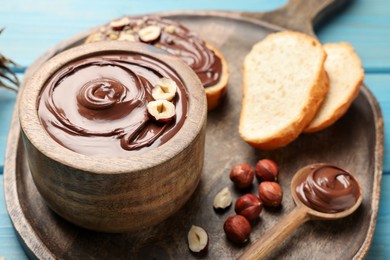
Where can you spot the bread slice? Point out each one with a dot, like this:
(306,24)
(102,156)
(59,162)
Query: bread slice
(214,93)
(346,74)
(284,84)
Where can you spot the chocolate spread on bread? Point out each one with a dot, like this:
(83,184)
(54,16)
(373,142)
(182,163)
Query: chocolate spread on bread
(170,36)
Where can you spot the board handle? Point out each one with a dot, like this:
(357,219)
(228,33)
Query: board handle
(299,15)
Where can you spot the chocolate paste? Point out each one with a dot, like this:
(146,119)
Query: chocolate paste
(177,40)
(97,105)
(328,189)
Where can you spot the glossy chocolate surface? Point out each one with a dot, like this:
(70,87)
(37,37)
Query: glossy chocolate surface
(328,188)
(97,105)
(174,38)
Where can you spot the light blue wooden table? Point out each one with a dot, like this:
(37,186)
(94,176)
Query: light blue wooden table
(34,26)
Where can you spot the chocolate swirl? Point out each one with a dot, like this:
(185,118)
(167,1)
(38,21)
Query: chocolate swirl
(101,93)
(328,189)
(174,38)
(97,106)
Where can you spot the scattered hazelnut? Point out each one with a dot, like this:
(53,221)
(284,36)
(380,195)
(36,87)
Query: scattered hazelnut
(198,240)
(161,110)
(119,24)
(149,33)
(237,229)
(242,175)
(248,206)
(223,199)
(164,89)
(266,170)
(270,193)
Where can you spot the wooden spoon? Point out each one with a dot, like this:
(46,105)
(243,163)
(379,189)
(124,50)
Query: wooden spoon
(300,214)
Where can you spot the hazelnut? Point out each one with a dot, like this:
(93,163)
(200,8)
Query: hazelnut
(140,22)
(237,229)
(170,29)
(248,206)
(242,175)
(198,240)
(113,35)
(119,24)
(266,170)
(127,37)
(96,37)
(161,110)
(164,89)
(150,33)
(223,199)
(270,193)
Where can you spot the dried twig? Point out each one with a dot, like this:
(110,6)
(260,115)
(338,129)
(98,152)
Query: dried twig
(8,78)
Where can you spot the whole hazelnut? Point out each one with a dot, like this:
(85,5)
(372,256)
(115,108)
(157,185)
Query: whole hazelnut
(248,206)
(266,170)
(270,193)
(237,229)
(242,175)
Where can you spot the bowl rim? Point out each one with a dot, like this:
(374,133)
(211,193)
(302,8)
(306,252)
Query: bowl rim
(41,140)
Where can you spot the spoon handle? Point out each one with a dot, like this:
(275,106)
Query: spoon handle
(275,236)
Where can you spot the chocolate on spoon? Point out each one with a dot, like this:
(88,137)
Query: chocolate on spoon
(320,191)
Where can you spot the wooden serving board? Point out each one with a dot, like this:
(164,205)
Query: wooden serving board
(355,143)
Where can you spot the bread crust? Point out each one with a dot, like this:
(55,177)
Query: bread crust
(216,92)
(343,107)
(292,131)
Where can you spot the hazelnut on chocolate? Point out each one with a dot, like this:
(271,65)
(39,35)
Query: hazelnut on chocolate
(161,110)
(150,33)
(165,89)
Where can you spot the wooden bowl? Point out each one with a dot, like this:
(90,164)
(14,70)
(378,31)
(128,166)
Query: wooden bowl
(113,194)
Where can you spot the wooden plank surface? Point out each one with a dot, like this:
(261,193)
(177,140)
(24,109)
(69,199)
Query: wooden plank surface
(34,26)
(7,100)
(9,244)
